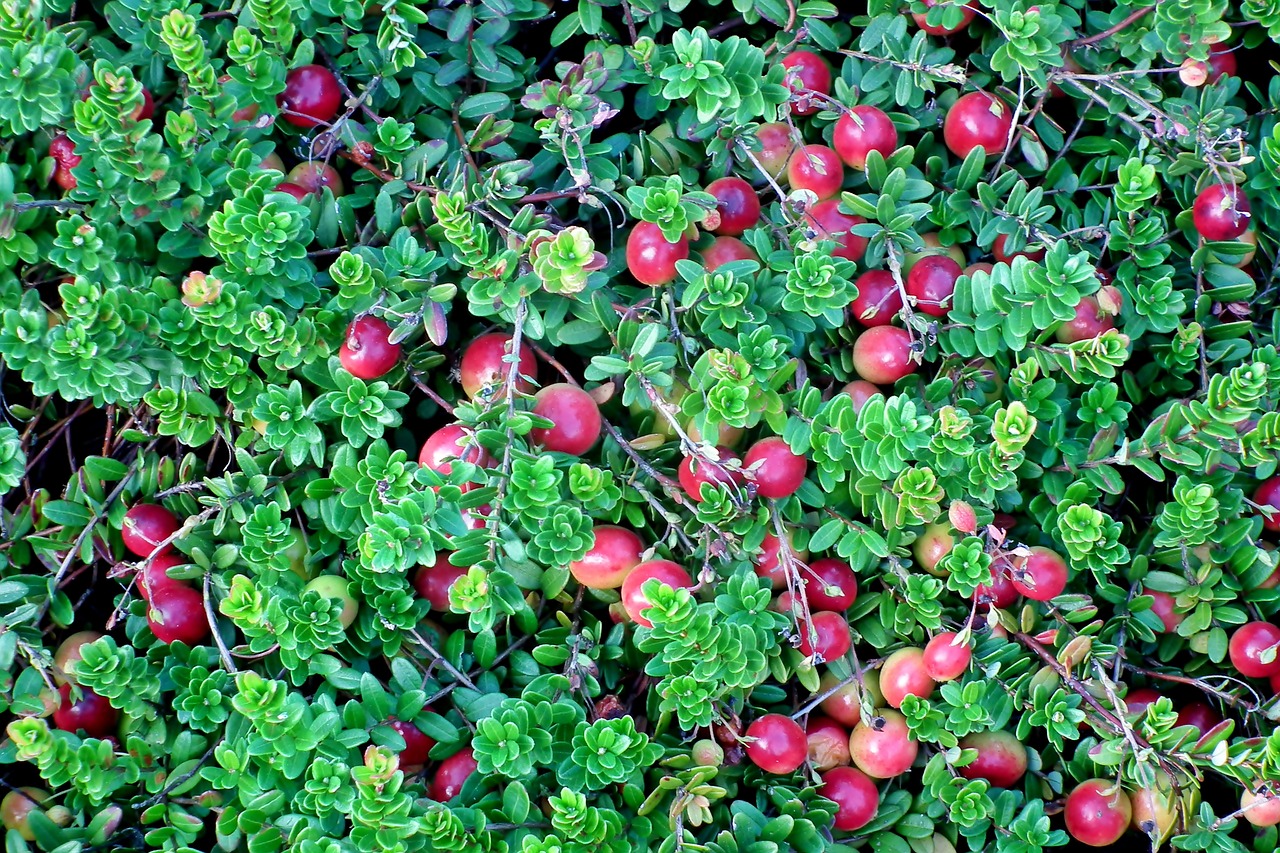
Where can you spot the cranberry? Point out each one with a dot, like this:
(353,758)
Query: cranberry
(1042,575)
(337,587)
(1247,646)
(433,582)
(812,74)
(176,614)
(612,556)
(860,391)
(1097,813)
(725,250)
(446,444)
(1001,593)
(1222,61)
(16,809)
(855,795)
(903,674)
(416,744)
(882,355)
(737,203)
(829,638)
(879,300)
(1261,809)
(885,751)
(1165,607)
(154,575)
(63,152)
(91,713)
(844,704)
(651,257)
(451,775)
(776,744)
(921,19)
(146,526)
(483,366)
(1221,212)
(944,659)
(862,130)
(575,416)
(314,177)
(828,742)
(931,546)
(311,96)
(1089,322)
(696,472)
(777,146)
(367,351)
(1268,495)
(932,281)
(830,584)
(664,571)
(830,224)
(977,120)
(290,188)
(1199,716)
(1002,759)
(69,652)
(998,251)
(980,266)
(816,168)
(1137,701)
(777,472)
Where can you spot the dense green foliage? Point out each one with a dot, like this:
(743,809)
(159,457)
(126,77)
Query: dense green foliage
(171,332)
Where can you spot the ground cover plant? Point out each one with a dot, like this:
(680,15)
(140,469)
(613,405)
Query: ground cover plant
(623,425)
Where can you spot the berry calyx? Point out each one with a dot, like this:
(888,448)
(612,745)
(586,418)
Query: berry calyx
(367,352)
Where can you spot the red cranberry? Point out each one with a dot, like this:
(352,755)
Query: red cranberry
(1221,212)
(725,250)
(776,148)
(612,556)
(367,351)
(977,120)
(575,416)
(932,281)
(1165,607)
(1137,702)
(860,391)
(737,203)
(1249,644)
(998,252)
(903,674)
(92,713)
(1089,322)
(828,742)
(311,96)
(445,445)
(813,75)
(856,797)
(777,472)
(154,575)
(1098,812)
(921,19)
(1222,61)
(695,472)
(944,660)
(633,597)
(862,130)
(433,582)
(1042,575)
(315,176)
(830,224)
(290,188)
(776,744)
(483,365)
(829,584)
(1001,592)
(879,300)
(816,168)
(1002,759)
(882,355)
(1268,495)
(829,637)
(451,775)
(769,562)
(651,257)
(886,750)
(146,526)
(1199,716)
(176,614)
(416,745)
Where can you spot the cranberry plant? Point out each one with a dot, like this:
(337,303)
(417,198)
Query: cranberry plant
(525,426)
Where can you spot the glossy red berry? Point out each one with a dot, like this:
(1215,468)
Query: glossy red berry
(290,188)
(921,19)
(977,120)
(998,251)
(860,391)
(1222,61)
(633,597)
(611,557)
(451,775)
(812,74)
(315,176)
(1002,759)
(1250,644)
(944,659)
(575,416)
(1261,808)
(483,366)
(1000,593)
(452,443)
(932,281)
(828,742)
(830,224)
(69,654)
(769,561)
(1042,575)
(433,582)
(776,744)
(154,575)
(879,300)
(862,130)
(146,526)
(1268,495)
(1089,322)
(311,96)
(91,713)
(694,472)
(882,355)
(367,351)
(1165,607)
(1199,716)
(776,148)
(725,250)
(903,674)
(416,745)
(63,152)
(1137,701)
(1221,212)
(1097,813)
(931,546)
(651,257)
(856,797)
(816,168)
(775,470)
(883,750)
(176,614)
(829,638)
(829,584)
(737,204)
